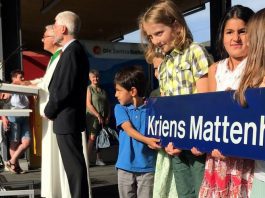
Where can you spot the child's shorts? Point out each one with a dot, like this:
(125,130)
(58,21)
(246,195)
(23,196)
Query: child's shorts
(132,184)
(19,128)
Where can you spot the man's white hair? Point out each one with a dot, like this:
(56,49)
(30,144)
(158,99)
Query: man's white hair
(70,20)
(49,28)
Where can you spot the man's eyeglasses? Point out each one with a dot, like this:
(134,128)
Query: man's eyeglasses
(47,36)
(44,37)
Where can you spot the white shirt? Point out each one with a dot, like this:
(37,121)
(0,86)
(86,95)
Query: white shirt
(67,44)
(19,101)
(226,78)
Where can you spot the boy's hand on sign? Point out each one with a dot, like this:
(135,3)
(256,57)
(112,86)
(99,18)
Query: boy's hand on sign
(153,143)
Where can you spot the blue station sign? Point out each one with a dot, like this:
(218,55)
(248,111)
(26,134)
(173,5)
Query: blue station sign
(210,121)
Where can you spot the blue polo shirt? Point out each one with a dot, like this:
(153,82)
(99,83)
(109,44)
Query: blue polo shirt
(134,156)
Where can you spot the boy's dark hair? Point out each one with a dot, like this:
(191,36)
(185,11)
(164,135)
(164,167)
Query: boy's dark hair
(16,72)
(133,76)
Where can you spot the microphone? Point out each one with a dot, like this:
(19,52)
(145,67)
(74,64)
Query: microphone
(18,49)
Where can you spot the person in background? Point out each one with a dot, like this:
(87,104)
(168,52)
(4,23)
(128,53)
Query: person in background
(136,162)
(183,71)
(229,176)
(66,105)
(98,112)
(253,77)
(19,133)
(156,61)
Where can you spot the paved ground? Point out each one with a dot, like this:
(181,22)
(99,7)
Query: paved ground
(103,178)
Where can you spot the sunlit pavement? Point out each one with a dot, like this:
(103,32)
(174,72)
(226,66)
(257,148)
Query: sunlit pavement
(103,178)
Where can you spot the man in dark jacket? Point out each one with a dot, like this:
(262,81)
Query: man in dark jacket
(67,101)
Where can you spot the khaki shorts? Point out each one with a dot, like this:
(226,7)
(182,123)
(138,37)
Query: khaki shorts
(92,125)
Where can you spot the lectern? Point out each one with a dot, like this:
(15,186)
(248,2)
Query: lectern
(11,88)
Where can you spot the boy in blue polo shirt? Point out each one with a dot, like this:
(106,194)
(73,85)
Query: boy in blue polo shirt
(136,159)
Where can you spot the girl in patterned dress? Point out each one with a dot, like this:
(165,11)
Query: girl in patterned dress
(228,177)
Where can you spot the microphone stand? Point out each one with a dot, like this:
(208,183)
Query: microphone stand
(3,62)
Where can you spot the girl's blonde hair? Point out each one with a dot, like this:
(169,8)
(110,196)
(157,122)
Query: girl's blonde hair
(255,66)
(167,13)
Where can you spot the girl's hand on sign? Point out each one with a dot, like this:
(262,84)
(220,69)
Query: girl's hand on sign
(217,154)
(171,150)
(196,152)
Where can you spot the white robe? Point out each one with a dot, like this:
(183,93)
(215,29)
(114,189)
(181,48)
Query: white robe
(54,182)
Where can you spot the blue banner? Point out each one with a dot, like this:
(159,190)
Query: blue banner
(210,121)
